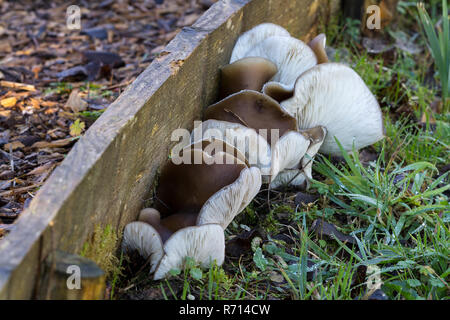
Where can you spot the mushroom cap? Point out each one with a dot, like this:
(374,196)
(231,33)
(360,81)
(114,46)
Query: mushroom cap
(334,96)
(300,176)
(247,73)
(186,187)
(205,244)
(254,110)
(288,152)
(225,204)
(278,91)
(213,145)
(318,45)
(285,153)
(253,146)
(291,56)
(251,37)
(145,239)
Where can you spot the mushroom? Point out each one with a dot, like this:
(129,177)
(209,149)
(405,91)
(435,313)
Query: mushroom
(199,201)
(244,119)
(291,56)
(334,96)
(216,189)
(254,110)
(299,177)
(318,45)
(212,145)
(246,73)
(204,243)
(253,36)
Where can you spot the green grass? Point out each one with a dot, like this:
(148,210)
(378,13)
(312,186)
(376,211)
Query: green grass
(439,43)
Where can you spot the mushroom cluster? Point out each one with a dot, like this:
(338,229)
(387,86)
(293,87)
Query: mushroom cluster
(279,83)
(281,102)
(196,200)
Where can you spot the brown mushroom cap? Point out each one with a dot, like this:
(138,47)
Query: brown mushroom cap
(247,73)
(318,46)
(278,91)
(186,187)
(254,110)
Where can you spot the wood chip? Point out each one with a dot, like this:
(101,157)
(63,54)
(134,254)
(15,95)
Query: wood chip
(17,85)
(13,145)
(52,144)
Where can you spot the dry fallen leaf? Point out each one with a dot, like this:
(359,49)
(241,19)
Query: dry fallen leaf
(9,102)
(75,103)
(52,144)
(13,145)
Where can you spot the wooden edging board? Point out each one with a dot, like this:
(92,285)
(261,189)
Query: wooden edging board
(107,176)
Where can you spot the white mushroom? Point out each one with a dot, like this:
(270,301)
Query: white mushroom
(205,244)
(146,240)
(248,39)
(286,152)
(291,56)
(334,96)
(214,190)
(187,231)
(299,176)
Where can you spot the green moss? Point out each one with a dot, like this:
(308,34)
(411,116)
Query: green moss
(101,248)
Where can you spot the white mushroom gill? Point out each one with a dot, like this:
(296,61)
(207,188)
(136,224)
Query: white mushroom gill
(300,176)
(334,96)
(143,238)
(249,39)
(224,205)
(205,244)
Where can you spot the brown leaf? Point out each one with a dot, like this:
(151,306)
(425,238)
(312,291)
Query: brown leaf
(52,144)
(17,85)
(42,169)
(75,103)
(302,198)
(9,102)
(240,244)
(323,228)
(13,145)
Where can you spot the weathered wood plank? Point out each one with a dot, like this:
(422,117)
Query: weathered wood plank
(71,277)
(108,174)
